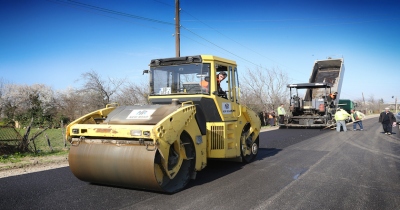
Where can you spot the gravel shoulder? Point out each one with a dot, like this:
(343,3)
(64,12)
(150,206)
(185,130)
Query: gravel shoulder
(33,164)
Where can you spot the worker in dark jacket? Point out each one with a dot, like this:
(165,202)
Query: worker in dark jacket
(388,120)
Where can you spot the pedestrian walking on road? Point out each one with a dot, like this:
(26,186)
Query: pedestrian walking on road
(388,120)
(356,118)
(281,114)
(340,117)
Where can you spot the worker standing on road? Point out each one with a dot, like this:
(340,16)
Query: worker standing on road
(281,114)
(340,117)
(357,117)
(271,117)
(387,119)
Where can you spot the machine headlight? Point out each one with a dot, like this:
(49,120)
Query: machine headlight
(146,133)
(136,132)
(75,131)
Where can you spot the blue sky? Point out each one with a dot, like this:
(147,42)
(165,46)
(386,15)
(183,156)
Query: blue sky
(53,42)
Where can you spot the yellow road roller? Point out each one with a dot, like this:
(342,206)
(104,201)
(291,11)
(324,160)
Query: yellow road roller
(193,115)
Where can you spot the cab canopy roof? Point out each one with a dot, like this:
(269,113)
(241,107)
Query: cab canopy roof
(188,60)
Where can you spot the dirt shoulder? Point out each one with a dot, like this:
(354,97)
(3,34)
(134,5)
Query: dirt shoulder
(33,164)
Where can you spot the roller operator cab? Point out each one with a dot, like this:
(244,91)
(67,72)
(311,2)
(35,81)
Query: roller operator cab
(192,117)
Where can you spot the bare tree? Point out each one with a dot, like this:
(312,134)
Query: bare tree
(264,89)
(99,91)
(2,101)
(375,104)
(72,104)
(133,94)
(359,103)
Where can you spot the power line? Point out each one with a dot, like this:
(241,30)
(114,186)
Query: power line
(218,46)
(236,41)
(303,26)
(201,37)
(101,9)
(222,35)
(109,11)
(113,11)
(385,17)
(79,6)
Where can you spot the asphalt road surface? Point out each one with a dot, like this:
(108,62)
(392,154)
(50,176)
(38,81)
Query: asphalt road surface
(295,169)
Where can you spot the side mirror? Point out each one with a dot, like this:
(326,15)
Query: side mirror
(145,72)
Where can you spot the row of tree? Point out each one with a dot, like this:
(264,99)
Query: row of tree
(371,105)
(261,90)
(20,103)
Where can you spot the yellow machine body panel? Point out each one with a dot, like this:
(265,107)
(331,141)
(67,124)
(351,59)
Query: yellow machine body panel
(193,115)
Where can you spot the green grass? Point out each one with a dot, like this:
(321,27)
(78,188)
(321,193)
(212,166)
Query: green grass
(18,157)
(42,147)
(55,136)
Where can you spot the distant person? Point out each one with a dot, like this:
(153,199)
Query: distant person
(281,114)
(340,117)
(356,118)
(271,118)
(388,120)
(262,116)
(265,115)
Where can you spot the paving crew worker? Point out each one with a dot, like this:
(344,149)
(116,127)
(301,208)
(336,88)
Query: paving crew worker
(281,114)
(340,117)
(357,117)
(332,98)
(387,119)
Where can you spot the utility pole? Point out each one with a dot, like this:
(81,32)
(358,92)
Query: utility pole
(395,103)
(366,111)
(177,30)
(363,98)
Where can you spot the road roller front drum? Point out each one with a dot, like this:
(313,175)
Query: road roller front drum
(132,165)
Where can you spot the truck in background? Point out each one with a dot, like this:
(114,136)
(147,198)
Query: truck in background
(321,97)
(347,104)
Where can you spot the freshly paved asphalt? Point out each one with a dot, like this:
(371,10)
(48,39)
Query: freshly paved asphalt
(295,169)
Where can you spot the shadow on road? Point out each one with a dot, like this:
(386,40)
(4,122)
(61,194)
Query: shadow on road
(219,168)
